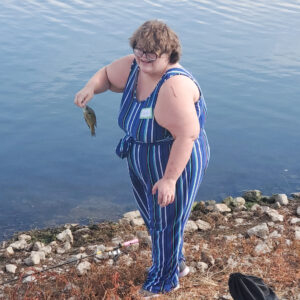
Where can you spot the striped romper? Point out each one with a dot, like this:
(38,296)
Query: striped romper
(147,146)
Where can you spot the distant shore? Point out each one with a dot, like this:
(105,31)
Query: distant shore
(253,234)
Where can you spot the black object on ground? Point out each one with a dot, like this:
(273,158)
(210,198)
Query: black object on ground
(248,287)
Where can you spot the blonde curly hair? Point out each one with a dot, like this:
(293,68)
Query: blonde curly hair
(157,37)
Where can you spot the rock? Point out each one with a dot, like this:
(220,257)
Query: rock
(34,258)
(72,225)
(19,245)
(280,228)
(25,237)
(228,200)
(9,251)
(202,225)
(196,247)
(207,258)
(267,199)
(275,235)
(239,221)
(38,246)
(288,242)
(60,250)
(238,201)
(281,198)
(222,227)
(191,226)
(67,246)
(272,213)
(65,236)
(298,211)
(222,208)
(70,286)
(137,222)
(255,207)
(202,266)
(297,233)
(132,215)
(199,206)
(144,238)
(294,220)
(124,222)
(3,244)
(262,248)
(53,244)
(145,253)
(47,249)
(252,195)
(209,208)
(225,297)
(29,279)
(277,205)
(125,260)
(240,208)
(296,195)
(261,230)
(77,257)
(232,262)
(100,249)
(11,268)
(83,230)
(116,241)
(110,262)
(230,238)
(210,202)
(83,267)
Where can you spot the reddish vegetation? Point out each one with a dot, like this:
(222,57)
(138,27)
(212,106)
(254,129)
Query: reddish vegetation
(280,268)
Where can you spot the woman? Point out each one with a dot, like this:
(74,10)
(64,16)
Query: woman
(162,113)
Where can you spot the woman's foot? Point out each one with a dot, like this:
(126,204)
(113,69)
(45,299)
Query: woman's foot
(145,295)
(183,269)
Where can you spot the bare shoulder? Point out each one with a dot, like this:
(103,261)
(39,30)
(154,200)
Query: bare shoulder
(118,72)
(180,87)
(175,108)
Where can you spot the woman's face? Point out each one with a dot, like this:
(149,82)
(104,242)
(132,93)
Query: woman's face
(152,67)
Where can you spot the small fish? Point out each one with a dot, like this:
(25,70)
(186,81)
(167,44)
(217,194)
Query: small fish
(90,119)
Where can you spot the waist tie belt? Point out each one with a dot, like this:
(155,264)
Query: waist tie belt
(127,141)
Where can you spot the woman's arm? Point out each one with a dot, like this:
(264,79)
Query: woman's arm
(111,77)
(175,110)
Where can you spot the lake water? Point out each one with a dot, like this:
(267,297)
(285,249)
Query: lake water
(245,54)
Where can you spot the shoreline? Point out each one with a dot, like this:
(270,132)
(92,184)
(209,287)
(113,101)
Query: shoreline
(250,231)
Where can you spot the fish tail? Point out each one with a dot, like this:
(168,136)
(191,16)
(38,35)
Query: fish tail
(93,132)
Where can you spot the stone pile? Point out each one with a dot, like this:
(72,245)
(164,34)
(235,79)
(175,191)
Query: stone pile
(237,213)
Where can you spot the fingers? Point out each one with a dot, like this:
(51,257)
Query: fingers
(165,192)
(83,97)
(154,189)
(80,100)
(165,200)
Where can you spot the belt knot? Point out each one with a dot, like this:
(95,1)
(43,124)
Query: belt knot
(124,145)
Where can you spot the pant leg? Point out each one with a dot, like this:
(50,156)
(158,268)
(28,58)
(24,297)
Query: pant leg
(140,194)
(167,224)
(193,173)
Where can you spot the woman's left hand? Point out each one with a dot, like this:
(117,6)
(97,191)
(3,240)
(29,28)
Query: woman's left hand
(166,191)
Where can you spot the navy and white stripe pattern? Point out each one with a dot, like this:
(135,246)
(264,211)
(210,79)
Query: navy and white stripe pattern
(147,147)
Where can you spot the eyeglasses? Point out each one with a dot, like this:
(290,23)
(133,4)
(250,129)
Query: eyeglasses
(150,56)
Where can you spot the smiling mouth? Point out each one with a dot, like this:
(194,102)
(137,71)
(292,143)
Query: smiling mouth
(146,61)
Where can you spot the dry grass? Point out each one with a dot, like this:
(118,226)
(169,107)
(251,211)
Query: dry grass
(279,268)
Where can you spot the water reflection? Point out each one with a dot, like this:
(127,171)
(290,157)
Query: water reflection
(244,54)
